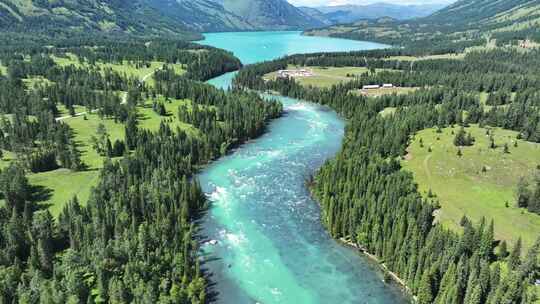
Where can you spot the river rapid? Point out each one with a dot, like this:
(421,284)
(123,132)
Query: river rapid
(271,246)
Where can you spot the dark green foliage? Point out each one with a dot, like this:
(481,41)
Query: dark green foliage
(528,194)
(366,196)
(69,18)
(463,138)
(507,22)
(133,241)
(159,108)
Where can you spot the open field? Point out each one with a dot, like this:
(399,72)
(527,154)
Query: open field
(323,76)
(384,91)
(388,111)
(414,58)
(483,96)
(35,81)
(63,184)
(463,189)
(127,68)
(149,119)
(85,129)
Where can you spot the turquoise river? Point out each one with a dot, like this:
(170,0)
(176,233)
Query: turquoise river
(271,246)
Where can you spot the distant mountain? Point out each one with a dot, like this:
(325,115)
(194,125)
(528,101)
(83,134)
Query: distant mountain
(151,17)
(465,23)
(271,14)
(68,16)
(352,13)
(200,15)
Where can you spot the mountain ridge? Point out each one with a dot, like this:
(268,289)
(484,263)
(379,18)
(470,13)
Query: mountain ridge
(151,17)
(461,25)
(351,13)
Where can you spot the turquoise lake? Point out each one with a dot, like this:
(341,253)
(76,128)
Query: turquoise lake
(271,246)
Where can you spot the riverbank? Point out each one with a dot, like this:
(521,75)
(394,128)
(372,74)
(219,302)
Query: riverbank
(348,243)
(383,267)
(262,209)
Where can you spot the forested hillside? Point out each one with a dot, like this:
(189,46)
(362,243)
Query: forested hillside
(464,24)
(370,201)
(82,108)
(271,14)
(65,16)
(339,14)
(151,17)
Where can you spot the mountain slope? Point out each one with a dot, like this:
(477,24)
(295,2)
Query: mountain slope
(200,15)
(463,24)
(271,14)
(156,17)
(65,16)
(352,13)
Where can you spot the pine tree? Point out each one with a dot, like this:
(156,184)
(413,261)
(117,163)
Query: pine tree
(514,259)
(425,293)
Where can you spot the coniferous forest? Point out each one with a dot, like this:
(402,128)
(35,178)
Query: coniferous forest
(134,239)
(368,200)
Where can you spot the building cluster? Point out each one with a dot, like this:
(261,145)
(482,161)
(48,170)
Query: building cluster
(376,86)
(294,73)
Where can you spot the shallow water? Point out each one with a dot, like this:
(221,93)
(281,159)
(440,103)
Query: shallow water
(271,245)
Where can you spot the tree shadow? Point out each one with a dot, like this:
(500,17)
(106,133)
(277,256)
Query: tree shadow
(39,195)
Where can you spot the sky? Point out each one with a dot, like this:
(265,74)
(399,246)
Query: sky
(363,2)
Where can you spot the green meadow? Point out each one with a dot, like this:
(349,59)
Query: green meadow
(149,119)
(128,68)
(324,76)
(61,185)
(480,183)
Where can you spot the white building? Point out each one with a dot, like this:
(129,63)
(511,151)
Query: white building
(294,73)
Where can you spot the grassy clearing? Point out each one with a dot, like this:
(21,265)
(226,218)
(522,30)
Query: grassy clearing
(462,187)
(483,96)
(384,91)
(149,119)
(325,76)
(64,184)
(416,58)
(63,111)
(3,70)
(85,129)
(33,82)
(127,68)
(388,111)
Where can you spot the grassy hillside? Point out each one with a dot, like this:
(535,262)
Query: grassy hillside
(482,182)
(275,14)
(65,16)
(150,17)
(464,24)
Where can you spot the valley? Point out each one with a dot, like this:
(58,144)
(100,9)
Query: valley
(258,151)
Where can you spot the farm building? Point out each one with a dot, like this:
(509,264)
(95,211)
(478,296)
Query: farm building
(387,86)
(371,87)
(294,73)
